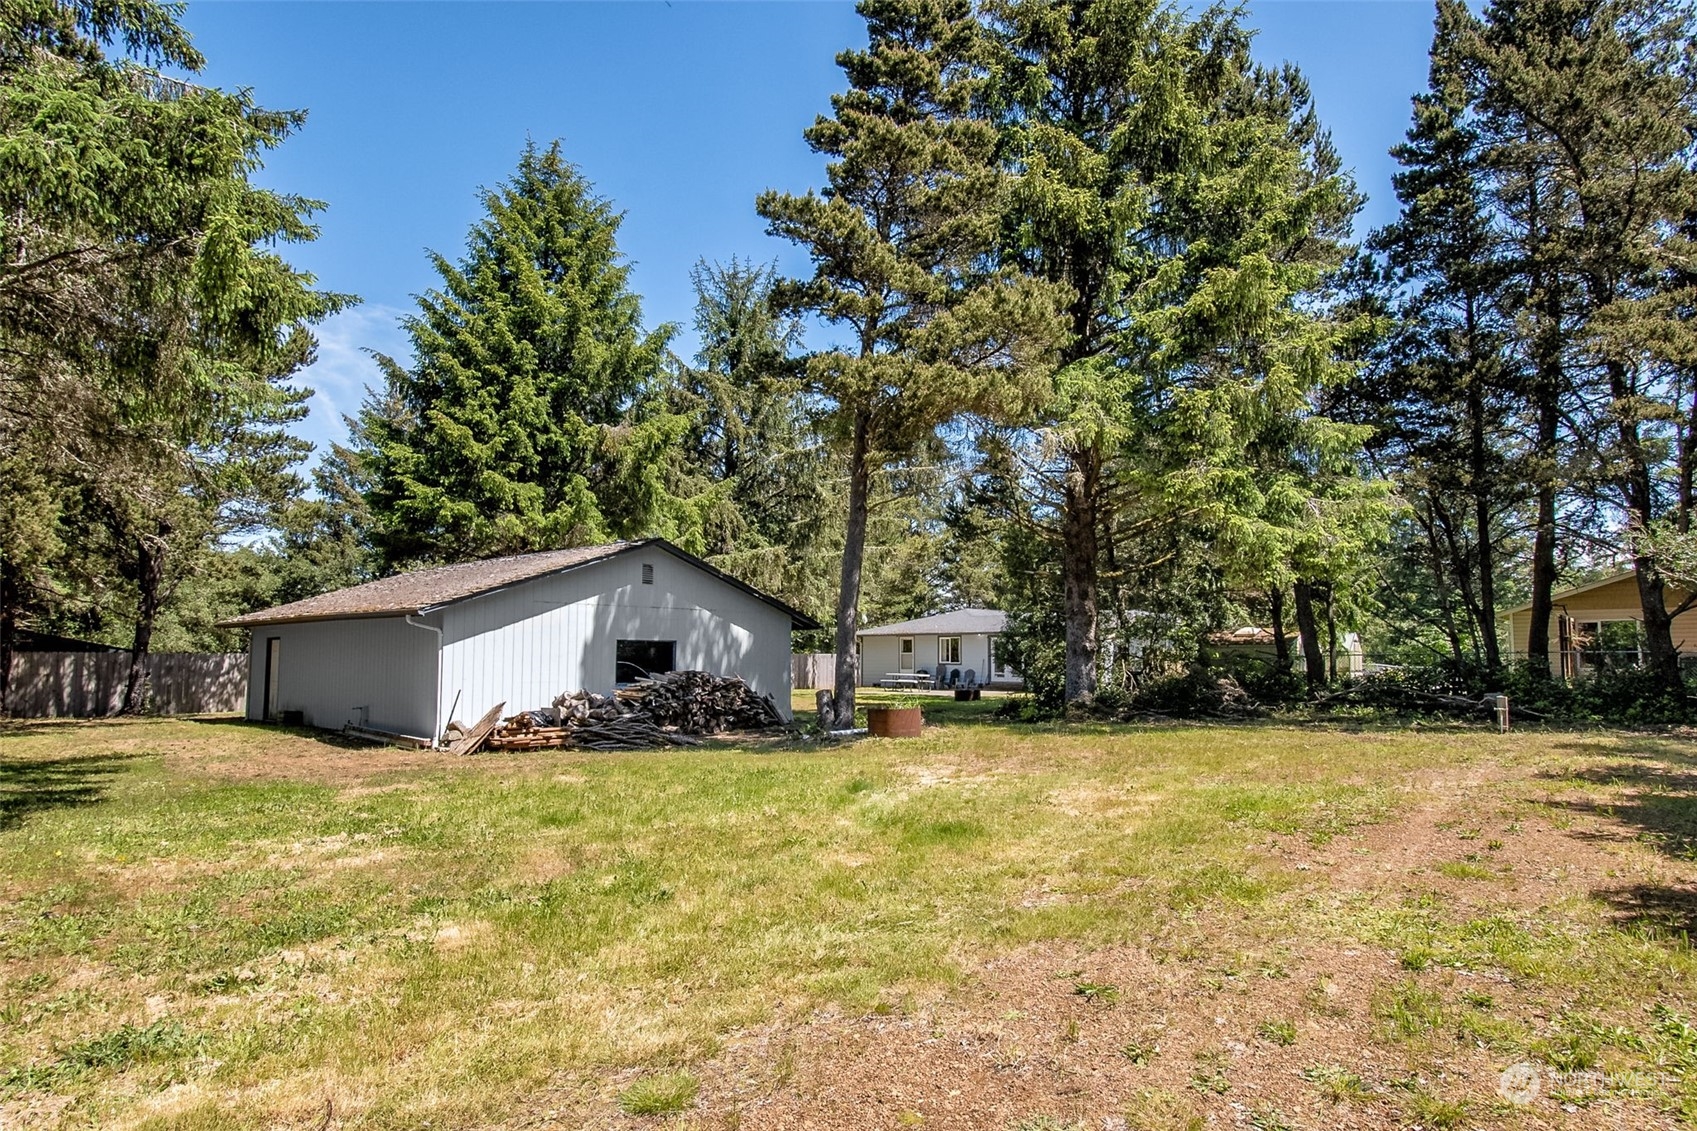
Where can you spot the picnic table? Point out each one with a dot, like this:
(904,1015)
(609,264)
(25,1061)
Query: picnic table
(908,680)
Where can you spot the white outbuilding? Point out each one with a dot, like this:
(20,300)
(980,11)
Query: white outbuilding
(408,654)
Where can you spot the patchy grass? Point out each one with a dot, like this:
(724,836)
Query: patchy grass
(211,924)
(666,1094)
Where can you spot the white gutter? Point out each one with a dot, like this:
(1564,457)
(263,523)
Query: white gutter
(436,699)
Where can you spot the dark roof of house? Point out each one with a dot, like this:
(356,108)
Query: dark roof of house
(422,590)
(28,640)
(957,623)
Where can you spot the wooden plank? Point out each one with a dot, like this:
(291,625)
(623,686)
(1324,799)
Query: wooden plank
(389,736)
(473,739)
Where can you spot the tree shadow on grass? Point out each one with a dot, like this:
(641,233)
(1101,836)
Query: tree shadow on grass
(1653,787)
(35,786)
(1665,910)
(1647,790)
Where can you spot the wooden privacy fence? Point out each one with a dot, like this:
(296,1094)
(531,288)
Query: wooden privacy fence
(813,669)
(91,684)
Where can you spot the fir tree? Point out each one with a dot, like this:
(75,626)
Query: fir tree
(531,416)
(752,440)
(149,327)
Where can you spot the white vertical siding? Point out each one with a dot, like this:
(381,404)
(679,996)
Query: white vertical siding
(878,656)
(328,670)
(975,654)
(526,644)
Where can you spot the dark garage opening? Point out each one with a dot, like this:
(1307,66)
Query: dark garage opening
(638,658)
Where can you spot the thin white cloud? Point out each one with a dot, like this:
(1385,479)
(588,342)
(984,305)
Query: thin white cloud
(344,369)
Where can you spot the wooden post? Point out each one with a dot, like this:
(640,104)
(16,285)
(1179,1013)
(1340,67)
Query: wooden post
(1500,702)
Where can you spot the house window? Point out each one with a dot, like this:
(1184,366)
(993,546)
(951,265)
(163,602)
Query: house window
(638,658)
(647,573)
(906,653)
(948,649)
(1608,644)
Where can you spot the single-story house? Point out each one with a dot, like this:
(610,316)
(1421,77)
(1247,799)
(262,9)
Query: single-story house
(1597,625)
(408,654)
(961,643)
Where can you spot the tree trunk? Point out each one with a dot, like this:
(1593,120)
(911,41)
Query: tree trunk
(1639,490)
(1480,486)
(1331,635)
(1443,571)
(1313,659)
(1543,583)
(1078,572)
(1281,644)
(1546,394)
(150,582)
(1660,655)
(854,557)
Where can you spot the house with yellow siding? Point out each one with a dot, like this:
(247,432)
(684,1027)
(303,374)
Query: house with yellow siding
(1599,625)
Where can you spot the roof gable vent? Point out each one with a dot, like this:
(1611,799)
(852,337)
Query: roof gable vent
(648,573)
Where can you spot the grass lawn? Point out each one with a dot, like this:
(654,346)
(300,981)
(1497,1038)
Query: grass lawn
(210,924)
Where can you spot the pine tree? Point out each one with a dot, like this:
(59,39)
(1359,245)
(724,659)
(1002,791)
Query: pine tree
(1446,390)
(1586,110)
(531,406)
(898,241)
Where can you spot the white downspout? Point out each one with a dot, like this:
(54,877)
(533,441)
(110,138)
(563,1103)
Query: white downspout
(436,697)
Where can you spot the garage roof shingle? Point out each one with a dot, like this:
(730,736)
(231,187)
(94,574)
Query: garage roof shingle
(425,589)
(956,623)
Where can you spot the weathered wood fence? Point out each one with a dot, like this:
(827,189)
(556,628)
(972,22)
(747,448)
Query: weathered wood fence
(813,669)
(91,684)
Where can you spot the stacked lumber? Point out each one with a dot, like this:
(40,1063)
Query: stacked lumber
(665,710)
(464,741)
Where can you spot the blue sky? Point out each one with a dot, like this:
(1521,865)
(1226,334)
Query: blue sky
(679,113)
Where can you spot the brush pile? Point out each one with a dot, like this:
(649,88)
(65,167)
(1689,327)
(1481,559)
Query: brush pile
(673,709)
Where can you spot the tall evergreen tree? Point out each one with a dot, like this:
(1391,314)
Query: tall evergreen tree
(1190,207)
(748,415)
(1587,110)
(1446,392)
(898,242)
(532,417)
(770,520)
(147,327)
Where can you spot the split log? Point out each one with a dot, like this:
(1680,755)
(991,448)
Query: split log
(665,710)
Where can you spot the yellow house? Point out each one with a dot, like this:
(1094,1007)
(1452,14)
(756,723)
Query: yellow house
(1598,625)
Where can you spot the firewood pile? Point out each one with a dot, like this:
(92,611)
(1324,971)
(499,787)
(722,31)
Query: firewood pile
(673,709)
